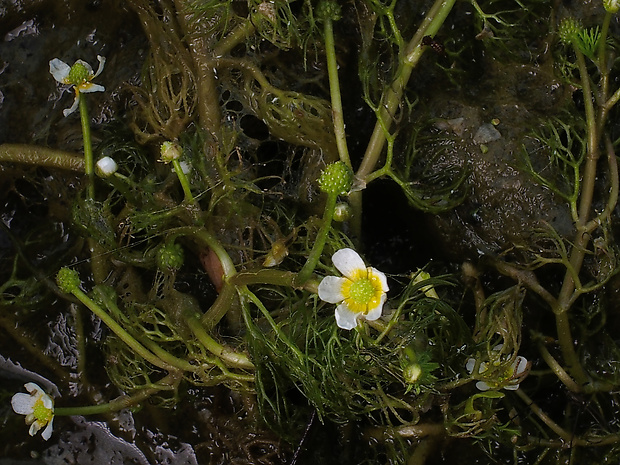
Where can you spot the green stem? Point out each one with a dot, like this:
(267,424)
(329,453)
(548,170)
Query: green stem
(393,94)
(202,236)
(565,297)
(229,356)
(234,38)
(319,243)
(41,156)
(89,166)
(117,329)
(189,198)
(119,403)
(334,88)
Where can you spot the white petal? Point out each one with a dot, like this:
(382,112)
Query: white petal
(23,404)
(345,318)
(101,65)
(47,432)
(60,70)
(348,262)
(471,363)
(89,87)
(330,289)
(107,166)
(482,386)
(73,107)
(89,68)
(381,276)
(512,387)
(375,313)
(520,365)
(33,387)
(34,428)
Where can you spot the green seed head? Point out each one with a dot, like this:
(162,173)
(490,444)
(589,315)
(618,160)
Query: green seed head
(336,178)
(329,9)
(569,30)
(78,74)
(68,280)
(362,291)
(170,257)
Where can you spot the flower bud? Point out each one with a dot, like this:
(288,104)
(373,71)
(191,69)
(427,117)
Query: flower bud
(106,167)
(411,373)
(336,178)
(342,212)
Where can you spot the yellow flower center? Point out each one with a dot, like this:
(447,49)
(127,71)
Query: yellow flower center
(362,292)
(41,412)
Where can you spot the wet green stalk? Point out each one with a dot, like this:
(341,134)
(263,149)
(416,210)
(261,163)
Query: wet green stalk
(566,295)
(117,329)
(122,402)
(317,250)
(89,165)
(393,94)
(334,89)
(228,356)
(178,169)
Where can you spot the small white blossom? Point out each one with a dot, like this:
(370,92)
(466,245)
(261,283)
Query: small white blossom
(38,408)
(509,379)
(360,293)
(80,76)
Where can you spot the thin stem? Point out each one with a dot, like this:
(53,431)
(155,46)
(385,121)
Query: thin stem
(178,169)
(319,243)
(120,331)
(334,89)
(393,94)
(234,38)
(565,297)
(229,356)
(121,402)
(558,369)
(201,235)
(89,166)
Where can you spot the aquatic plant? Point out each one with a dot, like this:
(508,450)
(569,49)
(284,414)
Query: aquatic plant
(219,238)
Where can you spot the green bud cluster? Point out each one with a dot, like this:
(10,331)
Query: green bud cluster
(569,30)
(612,6)
(329,9)
(336,178)
(68,280)
(170,257)
(78,74)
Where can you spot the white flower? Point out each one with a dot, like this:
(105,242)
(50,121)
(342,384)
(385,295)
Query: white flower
(106,167)
(38,408)
(495,379)
(79,76)
(360,293)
